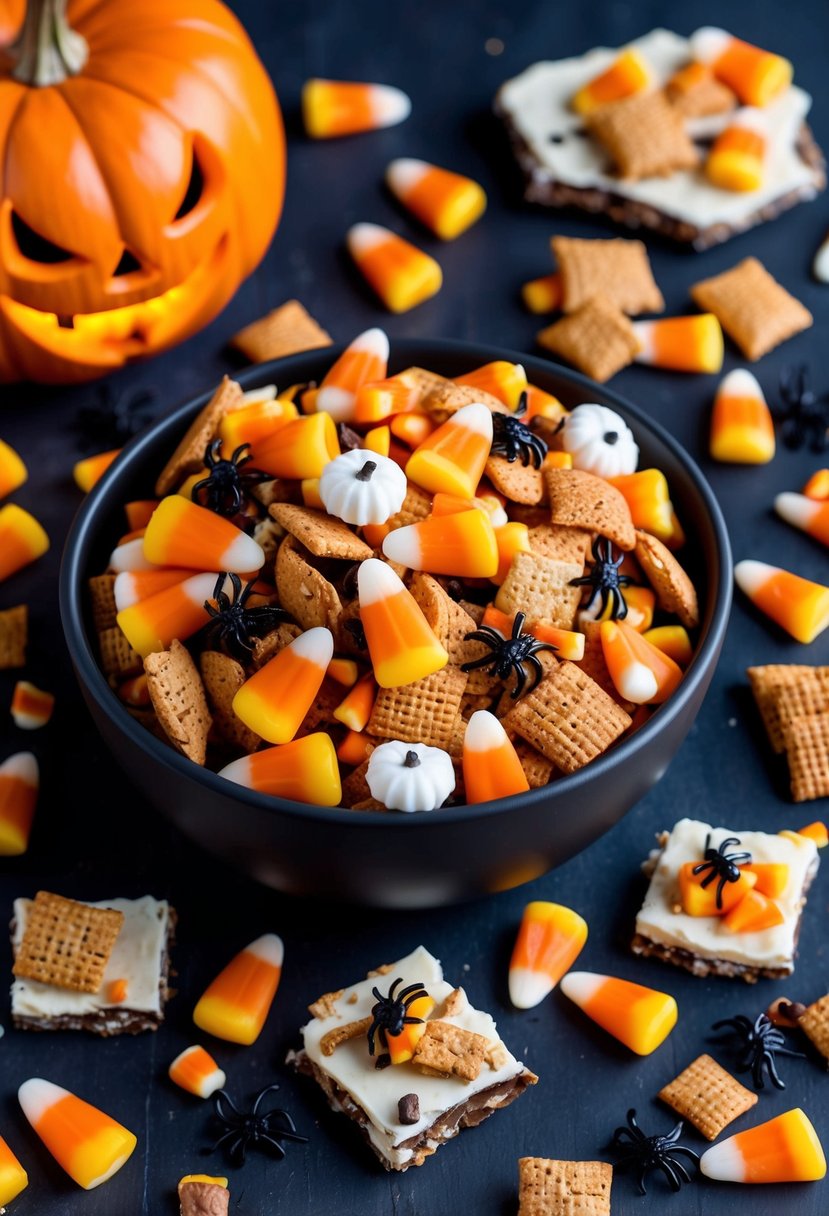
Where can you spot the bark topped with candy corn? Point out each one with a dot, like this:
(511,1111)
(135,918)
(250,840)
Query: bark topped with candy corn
(395,591)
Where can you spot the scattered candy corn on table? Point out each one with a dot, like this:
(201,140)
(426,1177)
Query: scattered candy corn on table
(93,839)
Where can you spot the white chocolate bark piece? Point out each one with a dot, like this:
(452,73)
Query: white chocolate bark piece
(662,921)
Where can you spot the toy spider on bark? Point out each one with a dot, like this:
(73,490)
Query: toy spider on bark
(509,654)
(250,1129)
(653,1153)
(805,417)
(723,866)
(391,1013)
(760,1041)
(225,488)
(513,438)
(606,581)
(233,625)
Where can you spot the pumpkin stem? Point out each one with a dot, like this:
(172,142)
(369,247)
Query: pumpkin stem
(367,470)
(412,760)
(47,50)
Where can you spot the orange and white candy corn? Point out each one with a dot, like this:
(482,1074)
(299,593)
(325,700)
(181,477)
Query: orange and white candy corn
(13,471)
(88,472)
(299,449)
(355,709)
(647,494)
(463,545)
(31,707)
(181,533)
(13,1177)
(641,673)
(447,203)
(737,158)
(129,555)
(817,831)
(254,422)
(502,379)
(176,612)
(196,1071)
(304,770)
(19,785)
(626,76)
(511,538)
(785,1149)
(491,768)
(805,513)
(641,1018)
(400,641)
(681,344)
(550,939)
(22,540)
(402,275)
(276,698)
(344,671)
(363,361)
(672,640)
(88,1144)
(742,428)
(133,586)
(544,294)
(817,486)
(343,107)
(796,604)
(755,75)
(234,1007)
(383,398)
(453,458)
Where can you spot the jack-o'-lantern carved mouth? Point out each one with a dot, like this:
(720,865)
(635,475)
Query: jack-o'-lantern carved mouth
(109,339)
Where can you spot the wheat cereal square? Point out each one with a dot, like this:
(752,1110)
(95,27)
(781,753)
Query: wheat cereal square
(582,500)
(617,269)
(66,943)
(189,455)
(118,659)
(222,677)
(675,593)
(426,711)
(815,1025)
(784,691)
(597,338)
(644,136)
(707,1096)
(807,750)
(321,534)
(178,698)
(752,307)
(542,588)
(286,330)
(563,543)
(705,97)
(14,634)
(563,1188)
(446,1050)
(517,481)
(303,591)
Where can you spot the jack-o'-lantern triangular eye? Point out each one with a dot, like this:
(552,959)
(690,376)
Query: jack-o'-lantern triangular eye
(35,247)
(128,264)
(194,191)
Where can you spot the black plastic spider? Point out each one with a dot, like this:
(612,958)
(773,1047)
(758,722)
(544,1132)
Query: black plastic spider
(723,866)
(513,438)
(509,654)
(760,1041)
(605,580)
(224,489)
(391,1013)
(653,1153)
(804,418)
(114,417)
(234,625)
(249,1129)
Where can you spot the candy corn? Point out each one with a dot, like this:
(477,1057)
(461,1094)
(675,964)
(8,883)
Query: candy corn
(344,671)
(549,941)
(236,1004)
(133,586)
(276,698)
(453,457)
(820,263)
(412,428)
(681,344)
(177,612)
(355,748)
(640,672)
(817,832)
(13,1177)
(299,449)
(402,275)
(756,76)
(355,710)
(196,1071)
(699,900)
(380,400)
(817,486)
(88,472)
(31,707)
(378,440)
(796,604)
(363,361)
(129,555)
(13,471)
(343,107)
(181,533)
(491,768)
(569,643)
(254,422)
(19,784)
(445,202)
(89,1145)
(646,493)
(401,644)
(511,538)
(462,545)
(501,379)
(139,512)
(22,539)
(627,75)
(752,914)
(742,429)
(672,640)
(543,295)
(736,160)
(305,770)
(639,1017)
(401,1047)
(805,513)
(785,1149)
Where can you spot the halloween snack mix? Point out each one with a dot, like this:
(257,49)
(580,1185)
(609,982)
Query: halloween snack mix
(699,138)
(406,1057)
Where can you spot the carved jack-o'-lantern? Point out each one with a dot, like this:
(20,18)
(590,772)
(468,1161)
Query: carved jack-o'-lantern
(142,167)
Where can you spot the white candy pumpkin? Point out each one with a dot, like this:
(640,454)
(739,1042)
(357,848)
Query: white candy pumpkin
(362,487)
(410,776)
(599,441)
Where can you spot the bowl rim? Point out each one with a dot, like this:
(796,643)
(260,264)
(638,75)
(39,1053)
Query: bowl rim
(72,583)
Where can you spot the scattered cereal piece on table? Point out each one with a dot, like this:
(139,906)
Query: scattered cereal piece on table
(617,269)
(284,331)
(644,136)
(14,635)
(563,1188)
(598,339)
(752,307)
(708,1096)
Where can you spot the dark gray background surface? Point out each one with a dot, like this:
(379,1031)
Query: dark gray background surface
(95,839)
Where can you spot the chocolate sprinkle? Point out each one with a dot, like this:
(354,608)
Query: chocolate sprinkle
(408,1109)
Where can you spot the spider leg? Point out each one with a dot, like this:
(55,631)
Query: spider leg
(620,608)
(476,664)
(223,1139)
(273,1144)
(485,633)
(669,1170)
(268,1090)
(538,671)
(518,625)
(768,1059)
(238,1149)
(623,1135)
(520,681)
(198,487)
(220,1099)
(643,1173)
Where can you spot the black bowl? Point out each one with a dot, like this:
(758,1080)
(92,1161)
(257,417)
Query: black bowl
(396,860)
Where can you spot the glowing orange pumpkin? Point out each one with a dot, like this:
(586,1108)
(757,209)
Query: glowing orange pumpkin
(142,169)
